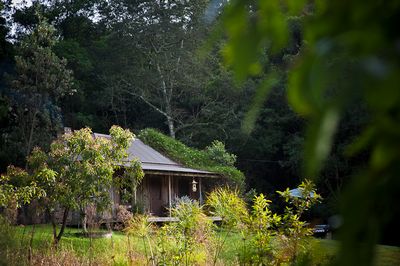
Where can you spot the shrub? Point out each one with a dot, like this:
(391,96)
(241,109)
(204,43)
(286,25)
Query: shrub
(227,204)
(214,158)
(189,241)
(267,238)
(11,212)
(189,238)
(292,229)
(217,152)
(232,209)
(123,217)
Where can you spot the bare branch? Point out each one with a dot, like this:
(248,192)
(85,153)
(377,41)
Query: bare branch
(147,102)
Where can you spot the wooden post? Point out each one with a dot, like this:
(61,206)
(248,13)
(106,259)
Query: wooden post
(200,192)
(169,195)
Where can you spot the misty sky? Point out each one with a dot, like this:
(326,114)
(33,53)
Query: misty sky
(18,2)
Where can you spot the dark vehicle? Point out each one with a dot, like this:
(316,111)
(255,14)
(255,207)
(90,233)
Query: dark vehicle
(321,230)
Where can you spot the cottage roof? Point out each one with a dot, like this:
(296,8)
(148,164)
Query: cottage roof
(156,163)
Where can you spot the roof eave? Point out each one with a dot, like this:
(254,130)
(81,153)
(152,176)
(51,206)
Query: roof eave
(184,174)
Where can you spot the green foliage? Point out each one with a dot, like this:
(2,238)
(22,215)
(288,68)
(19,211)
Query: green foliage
(8,240)
(292,228)
(349,57)
(85,165)
(78,58)
(216,151)
(40,73)
(18,187)
(191,234)
(122,249)
(79,169)
(228,205)
(40,80)
(214,158)
(232,209)
(261,226)
(139,226)
(187,241)
(151,59)
(267,238)
(305,200)
(130,179)
(114,61)
(353,42)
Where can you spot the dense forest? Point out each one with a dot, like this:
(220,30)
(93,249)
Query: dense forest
(152,64)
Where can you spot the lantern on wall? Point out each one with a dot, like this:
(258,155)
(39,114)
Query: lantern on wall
(194,185)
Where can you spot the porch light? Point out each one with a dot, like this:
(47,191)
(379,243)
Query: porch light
(194,185)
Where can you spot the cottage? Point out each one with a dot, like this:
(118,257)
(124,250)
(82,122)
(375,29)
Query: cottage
(164,180)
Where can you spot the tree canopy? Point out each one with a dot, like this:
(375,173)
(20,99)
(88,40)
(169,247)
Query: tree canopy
(77,171)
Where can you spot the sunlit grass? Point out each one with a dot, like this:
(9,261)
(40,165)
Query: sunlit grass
(119,248)
(110,250)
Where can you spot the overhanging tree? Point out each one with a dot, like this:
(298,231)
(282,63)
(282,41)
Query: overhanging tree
(350,56)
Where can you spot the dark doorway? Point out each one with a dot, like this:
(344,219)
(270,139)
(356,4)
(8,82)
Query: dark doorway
(183,187)
(156,202)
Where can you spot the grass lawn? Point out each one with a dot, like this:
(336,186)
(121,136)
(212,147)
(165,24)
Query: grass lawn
(117,249)
(113,250)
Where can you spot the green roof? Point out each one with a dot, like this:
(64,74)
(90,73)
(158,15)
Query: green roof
(191,157)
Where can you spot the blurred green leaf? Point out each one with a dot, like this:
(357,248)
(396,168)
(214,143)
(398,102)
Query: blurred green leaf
(319,139)
(258,101)
(295,6)
(361,142)
(272,24)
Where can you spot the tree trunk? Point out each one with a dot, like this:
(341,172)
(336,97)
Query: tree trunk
(135,195)
(84,221)
(30,139)
(171,127)
(64,223)
(167,102)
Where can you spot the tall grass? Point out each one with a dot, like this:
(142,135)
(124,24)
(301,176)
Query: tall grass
(189,241)
(73,250)
(33,245)
(247,236)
